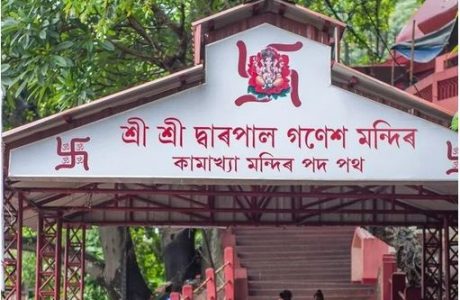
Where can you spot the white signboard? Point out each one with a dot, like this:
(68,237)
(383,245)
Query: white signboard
(268,111)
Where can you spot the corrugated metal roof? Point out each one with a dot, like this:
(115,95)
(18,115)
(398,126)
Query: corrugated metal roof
(246,10)
(433,15)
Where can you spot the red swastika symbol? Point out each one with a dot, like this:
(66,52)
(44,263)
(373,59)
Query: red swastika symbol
(452,155)
(75,154)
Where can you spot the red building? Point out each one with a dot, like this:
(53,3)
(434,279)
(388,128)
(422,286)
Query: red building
(435,68)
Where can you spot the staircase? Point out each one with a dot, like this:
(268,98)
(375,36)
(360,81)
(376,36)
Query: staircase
(302,260)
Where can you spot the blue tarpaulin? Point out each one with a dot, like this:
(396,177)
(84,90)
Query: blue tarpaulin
(429,46)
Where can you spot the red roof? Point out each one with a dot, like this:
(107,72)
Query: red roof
(433,15)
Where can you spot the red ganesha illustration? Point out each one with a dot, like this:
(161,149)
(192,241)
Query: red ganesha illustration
(270,76)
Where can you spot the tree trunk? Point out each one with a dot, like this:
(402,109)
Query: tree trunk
(212,252)
(346,48)
(121,271)
(179,255)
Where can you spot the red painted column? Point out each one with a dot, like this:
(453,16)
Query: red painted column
(187,292)
(38,256)
(388,268)
(446,255)
(83,258)
(74,262)
(432,281)
(58,259)
(48,257)
(19,244)
(413,293)
(453,259)
(229,273)
(210,285)
(398,284)
(240,287)
(12,255)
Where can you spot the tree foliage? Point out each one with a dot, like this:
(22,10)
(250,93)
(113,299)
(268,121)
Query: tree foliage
(454,124)
(372,25)
(148,247)
(408,251)
(58,54)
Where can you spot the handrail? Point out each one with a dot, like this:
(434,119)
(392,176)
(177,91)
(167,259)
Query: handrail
(221,287)
(217,271)
(228,286)
(401,295)
(202,285)
(399,290)
(222,267)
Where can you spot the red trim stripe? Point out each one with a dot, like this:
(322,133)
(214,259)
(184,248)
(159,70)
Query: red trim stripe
(295,89)
(242,59)
(287,47)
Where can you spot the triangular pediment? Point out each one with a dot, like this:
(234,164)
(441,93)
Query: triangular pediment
(267,111)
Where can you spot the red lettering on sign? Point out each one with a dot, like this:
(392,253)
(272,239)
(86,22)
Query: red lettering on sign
(171,132)
(207,163)
(372,136)
(349,163)
(266,160)
(316,164)
(203,136)
(324,135)
(252,136)
(135,131)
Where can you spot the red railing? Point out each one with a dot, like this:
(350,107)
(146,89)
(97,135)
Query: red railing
(210,283)
(399,290)
(392,283)
(441,87)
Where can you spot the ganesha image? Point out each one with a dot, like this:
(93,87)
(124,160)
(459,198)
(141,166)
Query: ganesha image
(270,76)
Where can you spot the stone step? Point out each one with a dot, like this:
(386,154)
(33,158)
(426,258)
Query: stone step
(330,277)
(295,229)
(318,284)
(350,293)
(333,241)
(298,272)
(293,247)
(301,259)
(293,255)
(288,242)
(323,285)
(299,254)
(296,264)
(310,297)
(300,235)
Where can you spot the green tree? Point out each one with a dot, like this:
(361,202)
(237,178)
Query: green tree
(372,25)
(454,124)
(58,54)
